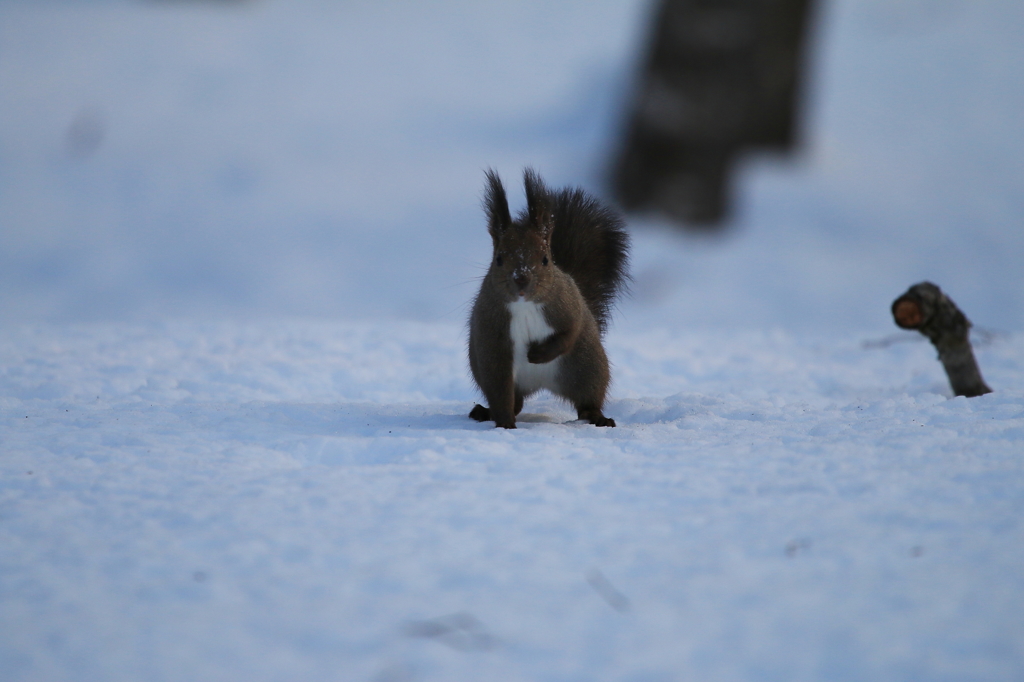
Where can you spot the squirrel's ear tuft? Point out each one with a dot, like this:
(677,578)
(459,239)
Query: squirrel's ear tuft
(496,205)
(538,202)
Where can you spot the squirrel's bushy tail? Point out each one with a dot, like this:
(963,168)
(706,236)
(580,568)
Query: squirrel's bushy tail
(589,243)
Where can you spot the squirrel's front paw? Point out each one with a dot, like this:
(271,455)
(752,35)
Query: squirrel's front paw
(538,353)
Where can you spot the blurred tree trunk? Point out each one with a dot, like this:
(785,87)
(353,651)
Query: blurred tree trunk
(721,76)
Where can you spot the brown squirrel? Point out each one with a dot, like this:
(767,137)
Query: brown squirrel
(544,303)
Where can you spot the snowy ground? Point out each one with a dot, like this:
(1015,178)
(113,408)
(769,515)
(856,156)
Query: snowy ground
(237,241)
(318,158)
(309,501)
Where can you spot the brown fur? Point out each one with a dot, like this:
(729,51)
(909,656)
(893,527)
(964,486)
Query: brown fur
(588,238)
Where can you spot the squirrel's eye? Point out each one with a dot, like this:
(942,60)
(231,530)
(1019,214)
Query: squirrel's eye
(498,260)
(545,261)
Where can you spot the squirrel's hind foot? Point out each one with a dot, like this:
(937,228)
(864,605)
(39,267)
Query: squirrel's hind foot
(482,414)
(595,416)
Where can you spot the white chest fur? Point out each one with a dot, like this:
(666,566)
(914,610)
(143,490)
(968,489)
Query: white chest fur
(528,324)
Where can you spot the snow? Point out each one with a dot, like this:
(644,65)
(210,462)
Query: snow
(310,501)
(238,245)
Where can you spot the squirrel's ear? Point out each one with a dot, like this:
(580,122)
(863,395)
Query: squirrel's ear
(496,205)
(538,203)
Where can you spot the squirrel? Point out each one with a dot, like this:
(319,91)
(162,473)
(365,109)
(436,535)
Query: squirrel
(544,303)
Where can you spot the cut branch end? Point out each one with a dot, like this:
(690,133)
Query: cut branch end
(925,308)
(907,313)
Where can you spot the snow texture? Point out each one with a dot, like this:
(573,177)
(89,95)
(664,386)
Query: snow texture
(237,245)
(310,501)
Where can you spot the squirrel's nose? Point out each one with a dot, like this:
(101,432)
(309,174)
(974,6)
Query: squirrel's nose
(521,279)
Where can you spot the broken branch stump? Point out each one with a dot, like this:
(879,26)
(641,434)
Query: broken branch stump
(925,308)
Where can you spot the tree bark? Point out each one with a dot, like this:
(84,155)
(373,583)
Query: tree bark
(925,308)
(720,77)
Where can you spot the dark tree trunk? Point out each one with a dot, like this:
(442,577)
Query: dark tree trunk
(925,308)
(720,76)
